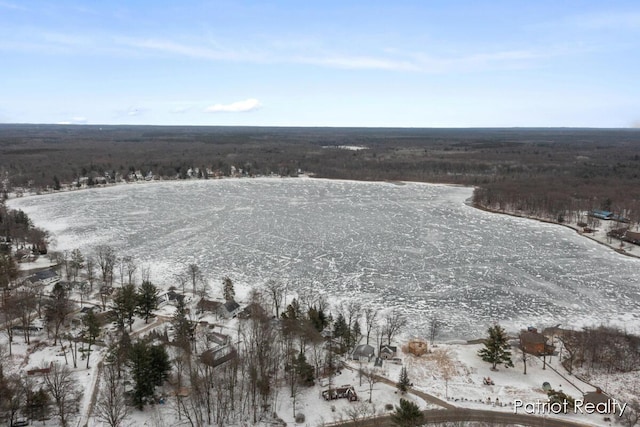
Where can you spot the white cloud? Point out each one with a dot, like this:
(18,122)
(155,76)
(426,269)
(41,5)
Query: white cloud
(188,50)
(360,62)
(235,107)
(74,121)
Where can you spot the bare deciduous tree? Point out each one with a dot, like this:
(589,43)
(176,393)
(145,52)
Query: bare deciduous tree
(26,300)
(58,309)
(372,377)
(130,267)
(90,270)
(62,387)
(434,327)
(276,291)
(111,407)
(370,316)
(106,261)
(394,321)
(447,367)
(194,274)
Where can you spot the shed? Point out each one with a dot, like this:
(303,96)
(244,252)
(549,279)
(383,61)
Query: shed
(363,353)
(417,347)
(533,342)
(388,352)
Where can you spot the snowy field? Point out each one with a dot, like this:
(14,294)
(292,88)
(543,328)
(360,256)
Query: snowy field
(415,246)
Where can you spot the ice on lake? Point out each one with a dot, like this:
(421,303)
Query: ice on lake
(414,246)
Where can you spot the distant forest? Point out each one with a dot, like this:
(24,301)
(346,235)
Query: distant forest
(548,173)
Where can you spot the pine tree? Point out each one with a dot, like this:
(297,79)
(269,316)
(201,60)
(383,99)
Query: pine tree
(408,414)
(304,370)
(149,366)
(227,289)
(341,330)
(182,326)
(126,305)
(403,383)
(147,298)
(91,331)
(561,397)
(496,348)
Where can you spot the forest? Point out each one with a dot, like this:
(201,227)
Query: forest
(548,173)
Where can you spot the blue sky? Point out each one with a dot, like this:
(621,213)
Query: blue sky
(330,63)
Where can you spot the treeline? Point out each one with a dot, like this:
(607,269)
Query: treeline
(541,172)
(19,238)
(601,349)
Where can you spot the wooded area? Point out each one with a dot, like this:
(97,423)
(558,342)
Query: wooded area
(541,172)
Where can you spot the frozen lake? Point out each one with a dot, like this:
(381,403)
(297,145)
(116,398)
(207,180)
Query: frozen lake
(413,246)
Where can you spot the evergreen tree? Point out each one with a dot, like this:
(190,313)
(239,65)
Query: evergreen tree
(340,327)
(182,327)
(149,366)
(147,300)
(126,305)
(91,331)
(8,270)
(227,289)
(403,383)
(318,318)
(304,370)
(160,364)
(561,397)
(496,348)
(355,333)
(408,414)
(293,311)
(76,263)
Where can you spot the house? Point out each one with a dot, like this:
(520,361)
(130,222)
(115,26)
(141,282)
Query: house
(219,340)
(169,297)
(40,371)
(363,353)
(388,352)
(417,347)
(604,404)
(218,356)
(533,342)
(606,215)
(44,278)
(208,306)
(252,310)
(631,237)
(342,392)
(229,309)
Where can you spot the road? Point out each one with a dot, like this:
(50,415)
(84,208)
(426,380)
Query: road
(437,416)
(451,413)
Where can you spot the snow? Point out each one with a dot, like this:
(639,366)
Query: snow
(318,411)
(39,263)
(415,246)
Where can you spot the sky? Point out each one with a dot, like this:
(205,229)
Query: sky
(368,63)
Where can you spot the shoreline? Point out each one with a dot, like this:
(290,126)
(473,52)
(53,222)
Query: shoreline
(620,249)
(615,248)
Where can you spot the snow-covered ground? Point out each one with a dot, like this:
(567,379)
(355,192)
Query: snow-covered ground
(415,246)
